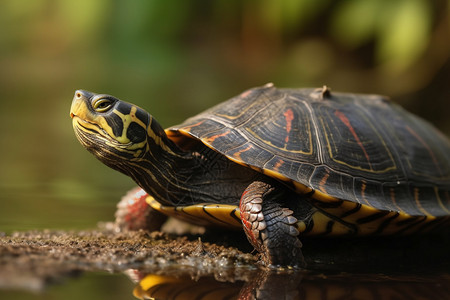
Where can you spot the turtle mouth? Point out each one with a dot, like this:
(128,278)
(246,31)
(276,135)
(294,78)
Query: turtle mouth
(93,129)
(82,121)
(88,126)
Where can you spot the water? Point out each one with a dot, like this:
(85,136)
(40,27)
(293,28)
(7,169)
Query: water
(242,284)
(262,285)
(97,285)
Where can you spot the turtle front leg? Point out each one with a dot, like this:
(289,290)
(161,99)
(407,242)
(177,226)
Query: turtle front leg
(269,227)
(134,213)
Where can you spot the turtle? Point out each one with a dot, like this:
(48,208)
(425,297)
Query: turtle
(279,163)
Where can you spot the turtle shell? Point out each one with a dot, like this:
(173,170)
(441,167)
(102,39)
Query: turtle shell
(340,149)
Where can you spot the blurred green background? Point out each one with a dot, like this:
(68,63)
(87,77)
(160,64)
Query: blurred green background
(176,58)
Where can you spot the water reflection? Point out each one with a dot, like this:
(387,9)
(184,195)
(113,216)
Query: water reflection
(184,287)
(265,284)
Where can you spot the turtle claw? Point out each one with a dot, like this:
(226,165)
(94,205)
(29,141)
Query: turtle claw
(269,227)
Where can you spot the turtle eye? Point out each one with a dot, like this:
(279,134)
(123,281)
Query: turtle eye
(102,105)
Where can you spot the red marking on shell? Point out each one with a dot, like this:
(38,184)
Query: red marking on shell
(289,115)
(323,181)
(189,127)
(363,190)
(278,164)
(246,93)
(433,157)
(347,123)
(211,139)
(237,155)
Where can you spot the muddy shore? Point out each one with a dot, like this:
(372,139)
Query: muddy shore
(32,260)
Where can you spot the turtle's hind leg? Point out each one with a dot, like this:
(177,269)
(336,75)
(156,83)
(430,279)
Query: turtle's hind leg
(270,227)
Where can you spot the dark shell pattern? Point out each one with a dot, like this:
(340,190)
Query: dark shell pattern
(359,148)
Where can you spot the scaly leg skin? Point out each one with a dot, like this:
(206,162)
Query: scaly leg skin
(269,227)
(133,212)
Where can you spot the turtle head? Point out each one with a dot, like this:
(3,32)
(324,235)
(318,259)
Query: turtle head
(116,132)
